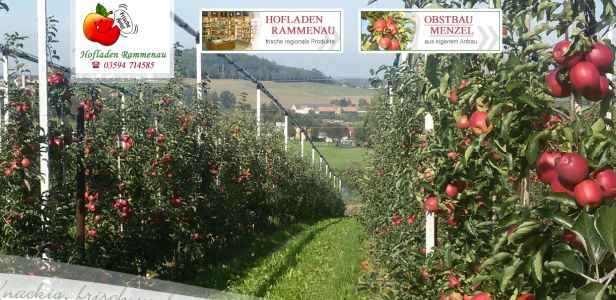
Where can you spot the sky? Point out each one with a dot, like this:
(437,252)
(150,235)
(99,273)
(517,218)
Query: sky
(22,19)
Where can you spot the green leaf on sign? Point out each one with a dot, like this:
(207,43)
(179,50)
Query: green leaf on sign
(101,10)
(567,260)
(591,291)
(606,225)
(595,248)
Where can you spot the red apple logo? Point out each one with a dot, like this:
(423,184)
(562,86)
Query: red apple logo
(98,28)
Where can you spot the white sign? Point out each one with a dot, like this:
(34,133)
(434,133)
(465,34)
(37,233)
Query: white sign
(277,31)
(431,31)
(123,39)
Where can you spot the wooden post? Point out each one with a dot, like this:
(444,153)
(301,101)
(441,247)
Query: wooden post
(430,222)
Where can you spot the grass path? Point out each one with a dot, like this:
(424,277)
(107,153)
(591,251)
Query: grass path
(317,261)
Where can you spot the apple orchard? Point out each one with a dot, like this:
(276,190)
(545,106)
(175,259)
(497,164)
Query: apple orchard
(518,170)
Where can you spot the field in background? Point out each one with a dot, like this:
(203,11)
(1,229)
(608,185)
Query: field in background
(339,158)
(292,92)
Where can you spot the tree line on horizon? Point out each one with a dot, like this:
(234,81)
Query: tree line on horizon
(261,68)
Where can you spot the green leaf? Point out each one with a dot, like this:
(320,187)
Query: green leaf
(532,149)
(567,260)
(591,291)
(495,258)
(606,226)
(431,67)
(469,151)
(468,225)
(562,199)
(101,10)
(444,84)
(598,126)
(508,273)
(537,264)
(585,226)
(570,296)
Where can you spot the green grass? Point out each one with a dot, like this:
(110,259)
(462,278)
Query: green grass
(339,158)
(318,261)
(292,92)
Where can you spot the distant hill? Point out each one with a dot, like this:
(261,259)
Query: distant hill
(260,68)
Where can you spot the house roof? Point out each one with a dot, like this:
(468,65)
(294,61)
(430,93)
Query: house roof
(349,109)
(328,108)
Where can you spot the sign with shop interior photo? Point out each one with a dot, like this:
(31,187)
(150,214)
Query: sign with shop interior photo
(431,31)
(278,31)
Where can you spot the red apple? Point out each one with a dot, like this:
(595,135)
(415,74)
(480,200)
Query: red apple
(481,296)
(451,220)
(606,178)
(379,25)
(585,78)
(601,56)
(588,192)
(463,83)
(92,232)
(451,190)
(385,42)
(572,239)
(526,296)
(479,123)
(454,282)
(558,54)
(395,45)
(601,92)
(557,186)
(25,163)
(453,97)
(431,204)
(572,168)
(464,122)
(558,88)
(546,166)
(392,28)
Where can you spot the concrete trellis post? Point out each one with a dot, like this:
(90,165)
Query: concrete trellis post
(326,170)
(610,77)
(258,111)
(320,164)
(313,155)
(42,76)
(5,78)
(391,95)
(302,139)
(430,224)
(198,70)
(286,132)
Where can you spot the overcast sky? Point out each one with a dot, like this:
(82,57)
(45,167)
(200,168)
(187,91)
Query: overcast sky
(22,19)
